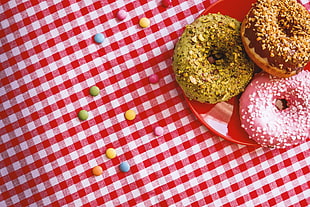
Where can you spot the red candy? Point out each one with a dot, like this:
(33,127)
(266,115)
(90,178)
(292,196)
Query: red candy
(121,15)
(166,3)
(153,78)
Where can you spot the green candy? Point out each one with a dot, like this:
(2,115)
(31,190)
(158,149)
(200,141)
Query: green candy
(94,91)
(83,115)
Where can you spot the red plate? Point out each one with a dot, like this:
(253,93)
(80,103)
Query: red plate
(223,118)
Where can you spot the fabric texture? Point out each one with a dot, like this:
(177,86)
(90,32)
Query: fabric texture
(48,62)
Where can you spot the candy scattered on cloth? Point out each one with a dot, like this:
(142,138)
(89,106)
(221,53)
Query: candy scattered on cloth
(97,170)
(83,115)
(144,22)
(166,3)
(110,153)
(130,114)
(99,38)
(153,78)
(158,131)
(94,91)
(121,14)
(124,166)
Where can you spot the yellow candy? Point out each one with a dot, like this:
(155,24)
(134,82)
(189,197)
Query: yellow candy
(110,153)
(144,22)
(130,114)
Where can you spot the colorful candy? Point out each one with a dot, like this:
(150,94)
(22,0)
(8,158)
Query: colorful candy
(99,38)
(130,114)
(97,171)
(94,91)
(83,115)
(121,15)
(144,22)
(158,131)
(166,3)
(110,153)
(124,166)
(153,78)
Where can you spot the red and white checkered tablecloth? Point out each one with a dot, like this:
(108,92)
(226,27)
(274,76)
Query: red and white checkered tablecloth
(49,60)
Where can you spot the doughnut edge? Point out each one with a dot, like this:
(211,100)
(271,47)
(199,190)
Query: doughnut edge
(258,60)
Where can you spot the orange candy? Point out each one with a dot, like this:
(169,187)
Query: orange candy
(97,170)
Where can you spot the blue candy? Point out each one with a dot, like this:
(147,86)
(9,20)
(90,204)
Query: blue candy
(99,38)
(124,167)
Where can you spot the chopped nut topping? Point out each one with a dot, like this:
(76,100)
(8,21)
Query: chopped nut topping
(209,61)
(283,28)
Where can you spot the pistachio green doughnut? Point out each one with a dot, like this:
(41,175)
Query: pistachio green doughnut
(209,61)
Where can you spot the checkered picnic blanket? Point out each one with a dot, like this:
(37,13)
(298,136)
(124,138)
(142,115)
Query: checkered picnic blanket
(49,60)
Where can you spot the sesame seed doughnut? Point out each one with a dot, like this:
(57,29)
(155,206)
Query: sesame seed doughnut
(276,36)
(275,111)
(209,61)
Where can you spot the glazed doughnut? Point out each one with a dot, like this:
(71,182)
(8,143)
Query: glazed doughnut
(275,111)
(276,36)
(209,62)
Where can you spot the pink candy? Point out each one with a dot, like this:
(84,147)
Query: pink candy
(166,3)
(121,15)
(158,131)
(153,78)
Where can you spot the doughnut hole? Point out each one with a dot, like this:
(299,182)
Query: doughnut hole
(214,56)
(211,60)
(281,104)
(289,24)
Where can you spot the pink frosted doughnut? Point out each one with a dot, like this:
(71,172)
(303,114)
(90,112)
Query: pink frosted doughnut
(275,111)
